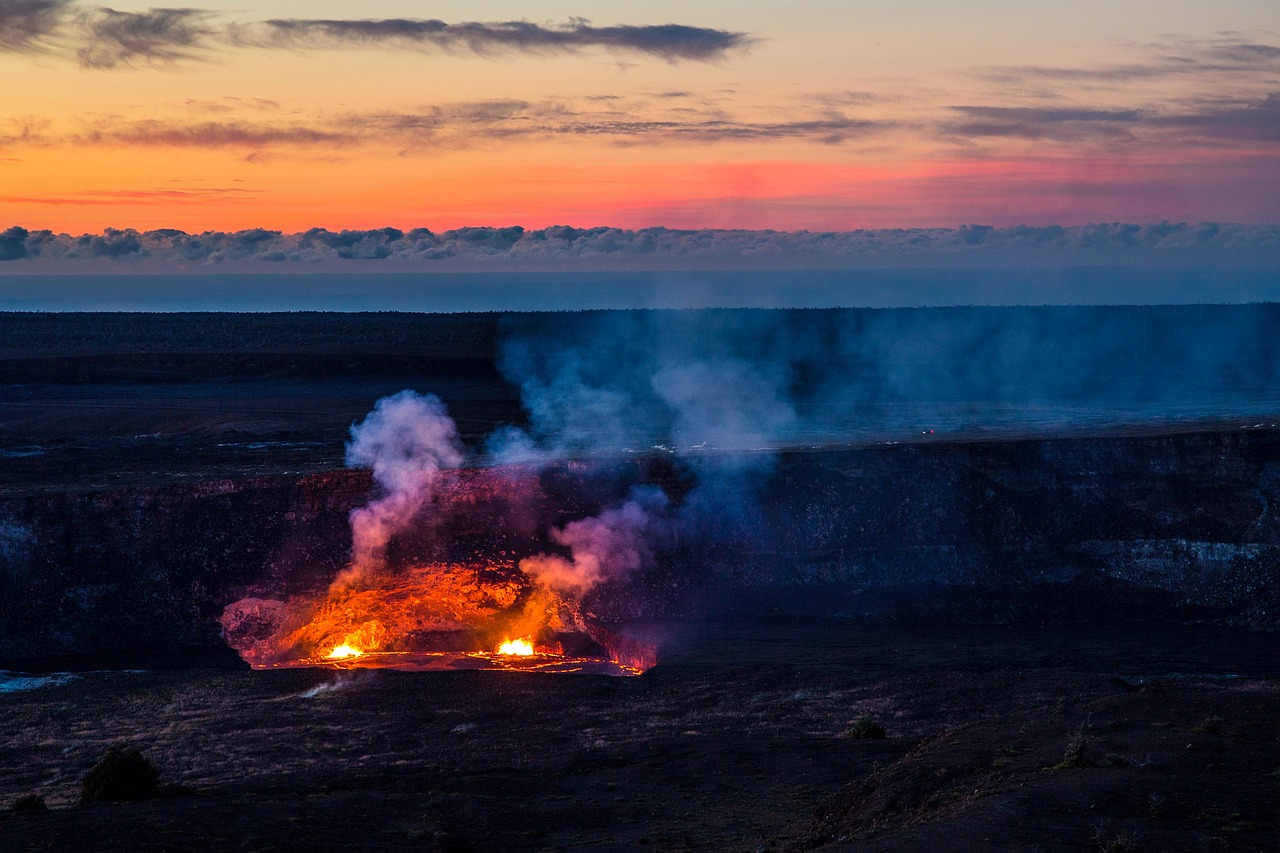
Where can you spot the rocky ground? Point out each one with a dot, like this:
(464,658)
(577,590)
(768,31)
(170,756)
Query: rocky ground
(1119,737)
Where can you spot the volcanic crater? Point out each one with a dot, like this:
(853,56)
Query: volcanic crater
(937,638)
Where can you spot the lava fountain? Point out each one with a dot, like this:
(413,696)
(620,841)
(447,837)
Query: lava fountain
(522,648)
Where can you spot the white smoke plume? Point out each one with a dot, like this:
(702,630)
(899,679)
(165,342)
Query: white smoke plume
(723,403)
(601,385)
(613,545)
(407,439)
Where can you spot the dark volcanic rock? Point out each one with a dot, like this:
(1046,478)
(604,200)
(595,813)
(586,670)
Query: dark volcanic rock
(142,574)
(1184,518)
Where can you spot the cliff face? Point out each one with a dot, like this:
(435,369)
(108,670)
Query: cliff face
(147,571)
(1185,522)
(1182,521)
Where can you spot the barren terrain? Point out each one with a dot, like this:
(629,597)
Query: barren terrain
(738,740)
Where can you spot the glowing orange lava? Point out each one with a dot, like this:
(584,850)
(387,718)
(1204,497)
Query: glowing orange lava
(431,617)
(515,647)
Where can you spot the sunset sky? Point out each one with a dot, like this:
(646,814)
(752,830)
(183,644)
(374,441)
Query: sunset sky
(828,115)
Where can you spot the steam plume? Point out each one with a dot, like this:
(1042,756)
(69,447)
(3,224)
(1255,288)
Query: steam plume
(725,402)
(613,545)
(598,386)
(406,440)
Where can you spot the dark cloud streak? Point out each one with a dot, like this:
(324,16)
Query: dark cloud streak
(669,41)
(1042,123)
(1212,124)
(1216,124)
(103,38)
(111,198)
(831,131)
(29,26)
(451,126)
(1198,58)
(210,134)
(157,36)
(1252,122)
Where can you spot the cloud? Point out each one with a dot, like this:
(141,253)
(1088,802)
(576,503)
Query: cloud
(492,248)
(248,126)
(256,127)
(13,243)
(29,26)
(1245,53)
(1255,122)
(831,130)
(1060,123)
(108,198)
(1213,123)
(464,124)
(208,134)
(506,119)
(668,41)
(1229,55)
(231,104)
(103,38)
(156,37)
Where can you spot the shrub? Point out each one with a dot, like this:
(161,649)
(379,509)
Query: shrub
(121,774)
(29,803)
(866,729)
(1212,725)
(1074,758)
(1122,842)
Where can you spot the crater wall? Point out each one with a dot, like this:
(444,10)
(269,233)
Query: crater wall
(1179,526)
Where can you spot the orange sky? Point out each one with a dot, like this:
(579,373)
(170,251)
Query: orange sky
(821,116)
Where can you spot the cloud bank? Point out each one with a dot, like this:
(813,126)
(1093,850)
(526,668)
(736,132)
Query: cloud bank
(515,246)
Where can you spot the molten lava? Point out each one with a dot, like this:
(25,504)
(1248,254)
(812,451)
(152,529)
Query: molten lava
(522,648)
(428,618)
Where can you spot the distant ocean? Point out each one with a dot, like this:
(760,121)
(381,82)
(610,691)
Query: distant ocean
(569,291)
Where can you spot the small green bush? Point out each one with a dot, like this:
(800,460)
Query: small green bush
(866,729)
(122,774)
(29,803)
